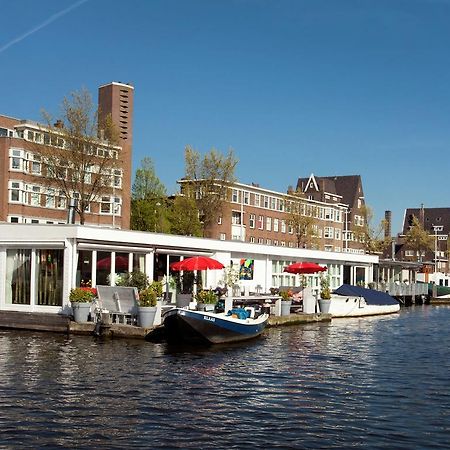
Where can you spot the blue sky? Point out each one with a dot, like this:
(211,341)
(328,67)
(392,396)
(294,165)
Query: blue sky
(330,87)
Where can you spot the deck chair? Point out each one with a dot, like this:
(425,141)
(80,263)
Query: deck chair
(120,302)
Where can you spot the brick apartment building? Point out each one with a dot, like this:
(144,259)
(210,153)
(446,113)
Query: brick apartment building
(24,198)
(436,221)
(261,216)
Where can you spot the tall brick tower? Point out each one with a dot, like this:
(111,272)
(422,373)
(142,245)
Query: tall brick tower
(117,99)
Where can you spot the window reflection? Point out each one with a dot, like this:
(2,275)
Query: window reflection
(18,276)
(49,277)
(84,268)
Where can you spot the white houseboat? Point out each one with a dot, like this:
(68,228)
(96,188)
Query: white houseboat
(39,263)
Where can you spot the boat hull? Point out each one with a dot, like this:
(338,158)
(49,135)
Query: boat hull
(342,306)
(201,326)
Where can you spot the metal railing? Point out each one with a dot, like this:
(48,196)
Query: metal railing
(402,289)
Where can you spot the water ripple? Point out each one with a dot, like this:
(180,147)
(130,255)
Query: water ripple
(378,383)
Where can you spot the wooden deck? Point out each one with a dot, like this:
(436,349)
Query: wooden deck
(18,320)
(15,320)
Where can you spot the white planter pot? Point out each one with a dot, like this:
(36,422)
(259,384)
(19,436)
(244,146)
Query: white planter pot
(147,316)
(286,307)
(81,311)
(324,305)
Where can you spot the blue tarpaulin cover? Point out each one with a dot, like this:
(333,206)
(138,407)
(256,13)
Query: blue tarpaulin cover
(241,313)
(371,296)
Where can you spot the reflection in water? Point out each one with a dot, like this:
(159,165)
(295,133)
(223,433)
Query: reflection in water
(373,382)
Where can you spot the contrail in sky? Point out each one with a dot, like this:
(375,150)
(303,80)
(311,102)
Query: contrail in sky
(42,25)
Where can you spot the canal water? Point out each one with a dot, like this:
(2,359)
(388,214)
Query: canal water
(380,382)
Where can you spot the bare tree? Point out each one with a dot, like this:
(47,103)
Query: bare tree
(301,217)
(78,153)
(369,235)
(208,180)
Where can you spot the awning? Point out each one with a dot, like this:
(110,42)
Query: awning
(371,296)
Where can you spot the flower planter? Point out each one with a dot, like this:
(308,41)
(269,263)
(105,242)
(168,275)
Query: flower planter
(286,307)
(81,311)
(324,305)
(147,316)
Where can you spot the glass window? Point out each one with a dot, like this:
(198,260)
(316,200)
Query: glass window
(235,218)
(117,206)
(268,223)
(16,160)
(260,222)
(50,198)
(328,233)
(105,205)
(15,193)
(35,199)
(49,276)
(122,262)
(117,181)
(84,269)
(18,276)
(257,199)
(139,262)
(252,220)
(103,268)
(276,224)
(36,165)
(61,200)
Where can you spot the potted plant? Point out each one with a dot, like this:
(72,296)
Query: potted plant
(325,295)
(147,307)
(81,299)
(136,279)
(206,300)
(286,302)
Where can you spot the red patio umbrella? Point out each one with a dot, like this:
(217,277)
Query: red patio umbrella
(304,267)
(197,263)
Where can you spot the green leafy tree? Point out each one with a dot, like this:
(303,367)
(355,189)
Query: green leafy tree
(369,235)
(207,180)
(149,204)
(418,239)
(183,217)
(78,152)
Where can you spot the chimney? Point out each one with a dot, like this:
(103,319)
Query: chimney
(422,215)
(59,124)
(387,224)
